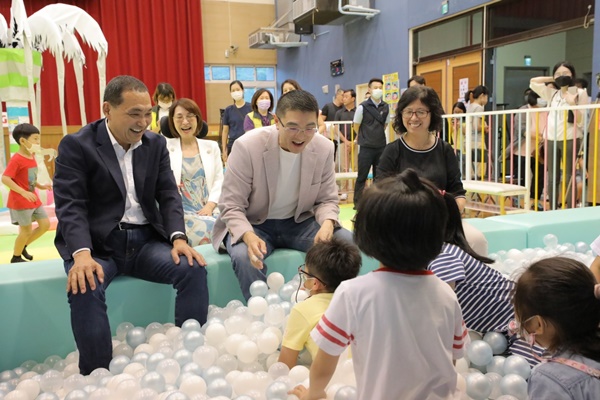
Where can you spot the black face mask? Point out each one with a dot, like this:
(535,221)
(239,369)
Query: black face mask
(563,81)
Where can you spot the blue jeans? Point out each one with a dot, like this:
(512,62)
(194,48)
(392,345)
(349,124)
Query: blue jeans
(143,254)
(276,233)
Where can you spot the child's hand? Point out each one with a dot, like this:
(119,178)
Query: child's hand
(29,196)
(299,391)
(47,186)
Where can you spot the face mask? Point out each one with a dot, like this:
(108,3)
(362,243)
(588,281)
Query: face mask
(563,81)
(237,95)
(542,102)
(164,106)
(35,148)
(263,104)
(377,93)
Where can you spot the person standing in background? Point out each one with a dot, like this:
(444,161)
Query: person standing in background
(164,96)
(233,117)
(346,135)
(370,121)
(260,115)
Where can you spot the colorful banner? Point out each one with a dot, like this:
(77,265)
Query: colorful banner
(13,76)
(391,90)
(391,95)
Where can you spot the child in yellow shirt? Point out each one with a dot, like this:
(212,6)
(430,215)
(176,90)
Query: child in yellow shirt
(327,265)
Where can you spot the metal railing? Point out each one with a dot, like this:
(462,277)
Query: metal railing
(513,146)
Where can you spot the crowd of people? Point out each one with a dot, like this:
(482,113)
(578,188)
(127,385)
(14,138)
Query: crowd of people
(133,202)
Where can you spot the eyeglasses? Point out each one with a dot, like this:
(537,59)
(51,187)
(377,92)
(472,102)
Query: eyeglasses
(304,276)
(419,113)
(189,117)
(294,130)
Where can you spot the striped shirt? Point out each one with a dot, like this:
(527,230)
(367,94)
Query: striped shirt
(484,294)
(404,328)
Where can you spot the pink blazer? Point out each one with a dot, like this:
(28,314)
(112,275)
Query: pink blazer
(251,177)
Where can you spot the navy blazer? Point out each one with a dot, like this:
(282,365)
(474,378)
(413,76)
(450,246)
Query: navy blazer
(89,190)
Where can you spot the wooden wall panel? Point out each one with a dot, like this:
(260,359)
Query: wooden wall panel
(245,18)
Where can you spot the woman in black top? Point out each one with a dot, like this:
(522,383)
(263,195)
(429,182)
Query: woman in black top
(418,119)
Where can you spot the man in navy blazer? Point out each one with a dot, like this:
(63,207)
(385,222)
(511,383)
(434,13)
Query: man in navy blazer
(119,212)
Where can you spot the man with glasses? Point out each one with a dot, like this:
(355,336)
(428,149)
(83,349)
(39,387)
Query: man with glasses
(279,190)
(119,212)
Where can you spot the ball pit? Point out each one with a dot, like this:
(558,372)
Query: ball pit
(234,355)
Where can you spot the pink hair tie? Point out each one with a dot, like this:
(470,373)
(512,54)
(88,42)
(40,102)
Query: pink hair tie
(443,192)
(597,291)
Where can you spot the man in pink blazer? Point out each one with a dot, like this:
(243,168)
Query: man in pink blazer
(279,190)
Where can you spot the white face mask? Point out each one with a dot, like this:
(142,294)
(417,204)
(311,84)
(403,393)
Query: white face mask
(377,93)
(35,148)
(164,106)
(237,95)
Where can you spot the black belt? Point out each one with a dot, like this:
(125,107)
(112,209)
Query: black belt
(124,226)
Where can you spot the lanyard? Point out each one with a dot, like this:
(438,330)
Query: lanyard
(579,366)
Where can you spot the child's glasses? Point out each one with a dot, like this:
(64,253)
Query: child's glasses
(304,276)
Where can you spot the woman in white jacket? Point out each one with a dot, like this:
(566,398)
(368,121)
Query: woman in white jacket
(198,170)
(561,94)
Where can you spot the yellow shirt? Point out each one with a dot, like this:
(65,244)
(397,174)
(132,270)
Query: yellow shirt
(303,318)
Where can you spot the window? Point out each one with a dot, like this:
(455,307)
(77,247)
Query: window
(244,73)
(265,73)
(252,77)
(221,73)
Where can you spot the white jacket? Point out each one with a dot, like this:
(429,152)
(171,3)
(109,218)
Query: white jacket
(210,154)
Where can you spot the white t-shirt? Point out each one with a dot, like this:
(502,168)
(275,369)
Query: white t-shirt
(405,329)
(555,128)
(288,186)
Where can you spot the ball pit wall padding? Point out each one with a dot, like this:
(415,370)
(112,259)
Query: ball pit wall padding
(36,316)
(500,236)
(569,226)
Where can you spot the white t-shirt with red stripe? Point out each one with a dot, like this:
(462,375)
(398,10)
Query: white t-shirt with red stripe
(405,329)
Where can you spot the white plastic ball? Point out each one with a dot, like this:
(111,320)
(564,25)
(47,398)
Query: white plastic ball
(514,385)
(29,386)
(247,352)
(275,280)
(169,369)
(123,349)
(479,352)
(216,334)
(17,395)
(517,365)
(153,380)
(497,342)
(277,390)
(190,325)
(227,362)
(298,374)
(479,386)
(267,342)
(495,381)
(135,337)
(236,324)
(496,365)
(193,385)
(550,241)
(122,330)
(287,291)
(278,369)
(219,387)
(259,288)
(205,356)
(51,381)
(274,315)
(257,305)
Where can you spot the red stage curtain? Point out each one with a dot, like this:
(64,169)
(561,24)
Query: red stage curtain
(153,40)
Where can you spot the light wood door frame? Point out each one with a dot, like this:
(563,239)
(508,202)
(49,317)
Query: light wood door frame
(447,66)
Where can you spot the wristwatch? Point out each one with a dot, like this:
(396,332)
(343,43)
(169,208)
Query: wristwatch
(179,236)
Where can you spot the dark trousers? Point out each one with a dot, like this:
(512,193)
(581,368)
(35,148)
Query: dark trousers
(367,157)
(277,233)
(139,253)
